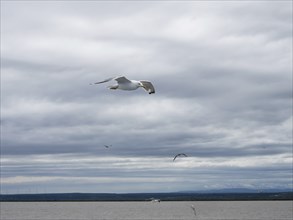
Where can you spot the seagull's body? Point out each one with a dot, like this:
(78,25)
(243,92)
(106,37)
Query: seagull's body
(179,155)
(125,84)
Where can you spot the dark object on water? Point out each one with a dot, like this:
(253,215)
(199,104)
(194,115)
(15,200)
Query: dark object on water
(193,208)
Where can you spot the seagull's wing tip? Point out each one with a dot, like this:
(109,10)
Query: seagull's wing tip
(106,80)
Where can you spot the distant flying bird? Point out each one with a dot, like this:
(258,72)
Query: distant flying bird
(107,146)
(179,155)
(125,84)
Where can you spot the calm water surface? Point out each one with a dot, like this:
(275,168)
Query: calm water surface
(239,210)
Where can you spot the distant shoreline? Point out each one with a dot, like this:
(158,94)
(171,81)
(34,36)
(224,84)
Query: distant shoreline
(140,197)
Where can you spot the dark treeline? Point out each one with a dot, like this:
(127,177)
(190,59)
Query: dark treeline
(148,197)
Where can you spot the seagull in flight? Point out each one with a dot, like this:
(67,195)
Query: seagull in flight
(107,146)
(126,84)
(179,155)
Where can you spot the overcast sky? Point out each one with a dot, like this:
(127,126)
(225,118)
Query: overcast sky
(222,71)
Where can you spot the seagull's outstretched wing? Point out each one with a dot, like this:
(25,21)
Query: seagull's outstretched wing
(106,80)
(179,155)
(148,86)
(122,79)
(175,157)
(119,79)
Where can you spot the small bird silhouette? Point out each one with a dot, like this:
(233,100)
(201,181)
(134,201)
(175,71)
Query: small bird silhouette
(179,155)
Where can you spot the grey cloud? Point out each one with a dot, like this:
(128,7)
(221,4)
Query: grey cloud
(222,78)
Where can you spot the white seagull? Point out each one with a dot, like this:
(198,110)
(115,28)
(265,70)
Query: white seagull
(125,84)
(179,155)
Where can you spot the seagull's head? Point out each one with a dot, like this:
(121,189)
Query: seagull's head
(139,84)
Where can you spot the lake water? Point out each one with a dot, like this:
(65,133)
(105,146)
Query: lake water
(244,210)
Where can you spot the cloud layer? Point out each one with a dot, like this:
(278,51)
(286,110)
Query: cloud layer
(223,78)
